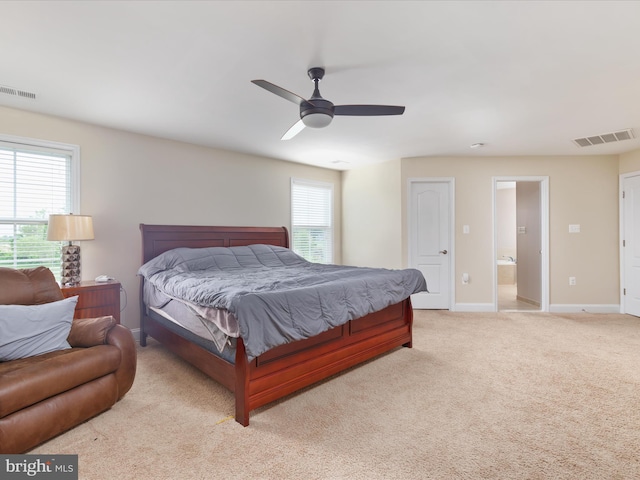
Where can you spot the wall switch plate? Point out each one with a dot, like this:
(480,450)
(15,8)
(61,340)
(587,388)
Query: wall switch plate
(465,229)
(572,281)
(574,228)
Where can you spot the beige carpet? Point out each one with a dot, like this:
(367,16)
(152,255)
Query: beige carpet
(502,395)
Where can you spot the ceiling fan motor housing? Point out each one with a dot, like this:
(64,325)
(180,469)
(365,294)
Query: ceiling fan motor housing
(318,112)
(318,115)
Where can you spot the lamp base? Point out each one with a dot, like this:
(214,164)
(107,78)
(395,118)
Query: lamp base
(70,265)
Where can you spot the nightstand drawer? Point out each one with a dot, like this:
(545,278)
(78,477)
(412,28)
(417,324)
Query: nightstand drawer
(95,299)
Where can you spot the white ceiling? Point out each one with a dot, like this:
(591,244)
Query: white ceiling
(523,77)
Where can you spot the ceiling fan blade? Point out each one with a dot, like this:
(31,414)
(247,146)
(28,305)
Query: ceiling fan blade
(367,110)
(295,129)
(281,92)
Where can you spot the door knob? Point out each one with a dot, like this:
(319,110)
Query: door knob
(444,252)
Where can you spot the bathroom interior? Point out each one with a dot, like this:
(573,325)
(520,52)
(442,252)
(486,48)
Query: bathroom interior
(518,245)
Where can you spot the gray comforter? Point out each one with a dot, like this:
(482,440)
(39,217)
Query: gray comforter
(276,295)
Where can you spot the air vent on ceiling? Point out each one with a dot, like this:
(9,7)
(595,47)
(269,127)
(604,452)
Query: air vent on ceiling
(17,92)
(604,138)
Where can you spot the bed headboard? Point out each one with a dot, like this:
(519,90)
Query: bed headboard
(157,239)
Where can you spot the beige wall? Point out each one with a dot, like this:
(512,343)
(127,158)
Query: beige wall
(630,162)
(128,179)
(583,190)
(125,178)
(371,216)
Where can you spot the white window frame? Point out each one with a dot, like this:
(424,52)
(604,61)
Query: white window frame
(46,147)
(298,182)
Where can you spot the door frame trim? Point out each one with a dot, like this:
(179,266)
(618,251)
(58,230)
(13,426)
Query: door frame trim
(621,181)
(451,181)
(544,232)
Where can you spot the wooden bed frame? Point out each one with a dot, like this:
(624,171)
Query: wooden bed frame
(286,368)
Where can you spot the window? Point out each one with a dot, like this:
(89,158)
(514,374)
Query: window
(312,220)
(37,179)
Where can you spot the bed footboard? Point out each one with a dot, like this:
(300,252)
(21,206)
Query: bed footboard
(291,367)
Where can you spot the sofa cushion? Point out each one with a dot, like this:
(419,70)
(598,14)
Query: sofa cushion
(28,381)
(28,286)
(27,330)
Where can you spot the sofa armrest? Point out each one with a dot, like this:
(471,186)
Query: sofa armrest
(121,337)
(88,332)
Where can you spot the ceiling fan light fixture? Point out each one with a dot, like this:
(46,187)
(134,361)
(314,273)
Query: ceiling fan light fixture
(317,119)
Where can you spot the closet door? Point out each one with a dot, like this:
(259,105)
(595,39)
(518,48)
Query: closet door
(430,241)
(631,246)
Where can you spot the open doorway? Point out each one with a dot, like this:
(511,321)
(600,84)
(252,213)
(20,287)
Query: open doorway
(521,239)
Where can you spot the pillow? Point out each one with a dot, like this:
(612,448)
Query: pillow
(28,330)
(88,332)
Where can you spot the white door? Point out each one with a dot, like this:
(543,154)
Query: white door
(631,249)
(429,241)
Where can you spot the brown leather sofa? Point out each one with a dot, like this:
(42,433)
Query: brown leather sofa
(44,395)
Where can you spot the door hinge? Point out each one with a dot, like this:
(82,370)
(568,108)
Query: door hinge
(624,291)
(624,243)
(623,194)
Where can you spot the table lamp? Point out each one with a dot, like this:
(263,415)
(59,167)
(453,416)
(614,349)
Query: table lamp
(70,228)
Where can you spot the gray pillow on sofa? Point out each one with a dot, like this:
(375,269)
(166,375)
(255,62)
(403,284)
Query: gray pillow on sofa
(28,330)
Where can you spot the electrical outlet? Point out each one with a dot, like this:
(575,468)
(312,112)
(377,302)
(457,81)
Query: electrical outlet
(572,281)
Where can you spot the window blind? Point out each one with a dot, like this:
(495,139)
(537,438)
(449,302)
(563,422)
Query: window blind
(312,220)
(35,182)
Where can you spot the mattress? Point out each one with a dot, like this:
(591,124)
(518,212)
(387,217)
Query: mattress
(228,354)
(217,327)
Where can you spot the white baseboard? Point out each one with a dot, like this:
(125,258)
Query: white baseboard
(557,308)
(587,308)
(136,334)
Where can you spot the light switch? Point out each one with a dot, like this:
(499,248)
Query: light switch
(465,229)
(574,228)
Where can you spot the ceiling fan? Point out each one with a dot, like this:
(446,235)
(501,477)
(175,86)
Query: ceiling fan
(316,112)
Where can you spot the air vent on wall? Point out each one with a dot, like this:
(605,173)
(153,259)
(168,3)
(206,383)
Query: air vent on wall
(17,92)
(604,138)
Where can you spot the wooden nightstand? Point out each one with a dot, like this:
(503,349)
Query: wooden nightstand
(96,299)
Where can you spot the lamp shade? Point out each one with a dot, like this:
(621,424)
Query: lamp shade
(70,227)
